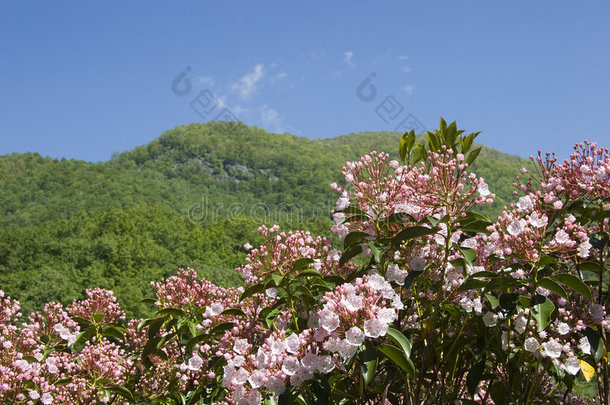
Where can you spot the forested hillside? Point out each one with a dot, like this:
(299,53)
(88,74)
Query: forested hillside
(192,197)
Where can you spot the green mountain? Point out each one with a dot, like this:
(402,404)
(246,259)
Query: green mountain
(192,197)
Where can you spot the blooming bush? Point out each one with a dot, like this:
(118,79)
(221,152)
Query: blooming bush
(426,301)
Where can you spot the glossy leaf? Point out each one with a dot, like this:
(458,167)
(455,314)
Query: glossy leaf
(574,283)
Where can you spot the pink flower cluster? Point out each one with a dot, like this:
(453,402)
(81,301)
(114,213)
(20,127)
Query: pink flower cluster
(281,250)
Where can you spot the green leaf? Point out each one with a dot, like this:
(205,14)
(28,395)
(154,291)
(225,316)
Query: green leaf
(542,308)
(401,340)
(353,238)
(508,301)
(433,141)
(233,311)
(412,232)
(221,328)
(468,142)
(474,377)
(398,357)
(124,392)
(150,301)
(574,283)
(473,155)
(171,312)
(492,300)
(498,392)
(597,344)
(309,273)
(472,284)
(302,263)
(403,149)
(593,267)
(350,254)
(97,317)
(63,381)
(277,279)
(114,332)
(501,283)
(553,286)
(255,289)
(469,254)
(367,359)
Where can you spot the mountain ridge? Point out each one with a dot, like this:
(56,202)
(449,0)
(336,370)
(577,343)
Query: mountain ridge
(189,198)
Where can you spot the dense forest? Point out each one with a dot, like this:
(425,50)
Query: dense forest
(190,198)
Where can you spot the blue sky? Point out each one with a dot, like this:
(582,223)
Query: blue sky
(83,79)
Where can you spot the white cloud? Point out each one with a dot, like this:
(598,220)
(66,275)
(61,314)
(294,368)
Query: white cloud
(205,80)
(278,77)
(406,69)
(403,57)
(271,119)
(409,89)
(247,84)
(315,54)
(347,57)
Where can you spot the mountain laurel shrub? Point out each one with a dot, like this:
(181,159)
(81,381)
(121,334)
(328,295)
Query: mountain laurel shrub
(425,302)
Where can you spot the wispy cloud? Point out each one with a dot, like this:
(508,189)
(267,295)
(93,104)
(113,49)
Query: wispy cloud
(278,77)
(406,69)
(403,57)
(247,84)
(205,80)
(347,58)
(271,119)
(409,88)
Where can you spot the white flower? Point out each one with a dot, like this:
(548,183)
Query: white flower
(516,227)
(374,328)
(583,249)
(213,310)
(241,346)
(552,349)
(33,395)
(520,324)
(531,344)
(241,376)
(195,363)
(563,328)
(325,364)
(342,203)
(46,398)
(572,365)
(387,315)
(562,237)
(584,345)
(346,349)
(247,246)
(292,343)
(538,222)
(352,302)
(328,320)
(469,243)
(355,336)
(525,203)
(417,263)
(290,365)
(597,312)
(395,274)
(504,340)
(490,319)
(271,292)
(257,378)
(483,188)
